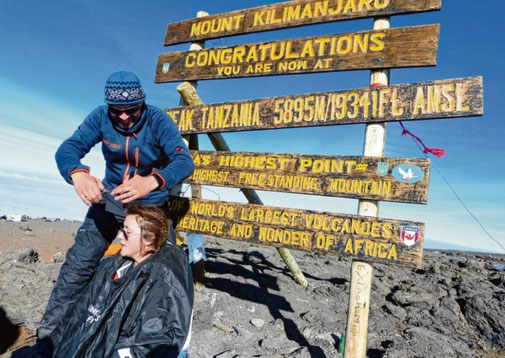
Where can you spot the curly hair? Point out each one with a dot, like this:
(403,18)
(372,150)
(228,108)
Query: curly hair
(153,226)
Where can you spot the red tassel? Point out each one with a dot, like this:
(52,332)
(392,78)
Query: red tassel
(439,152)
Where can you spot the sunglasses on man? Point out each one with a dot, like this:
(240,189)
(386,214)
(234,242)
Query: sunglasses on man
(116,111)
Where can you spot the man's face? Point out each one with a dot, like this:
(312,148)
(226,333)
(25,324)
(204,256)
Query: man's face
(126,116)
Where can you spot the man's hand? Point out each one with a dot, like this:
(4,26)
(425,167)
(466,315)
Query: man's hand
(135,188)
(87,187)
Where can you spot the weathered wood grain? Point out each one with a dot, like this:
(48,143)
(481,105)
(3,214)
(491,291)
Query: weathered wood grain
(365,238)
(288,14)
(398,47)
(450,98)
(339,176)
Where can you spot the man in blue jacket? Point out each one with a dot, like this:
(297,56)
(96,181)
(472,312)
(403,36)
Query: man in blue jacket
(145,156)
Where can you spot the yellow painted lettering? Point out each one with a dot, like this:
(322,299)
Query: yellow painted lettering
(397,111)
(383,100)
(350,6)
(330,239)
(308,49)
(369,248)
(252,55)
(258,18)
(307,11)
(358,245)
(348,246)
(387,230)
(393,254)
(377,39)
(190,59)
(365,4)
(449,103)
(320,241)
(459,98)
(419,103)
(382,253)
(433,99)
(238,54)
(195,29)
(292,13)
(344,45)
(375,229)
(289,51)
(380,4)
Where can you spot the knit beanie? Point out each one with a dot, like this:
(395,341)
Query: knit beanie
(122,88)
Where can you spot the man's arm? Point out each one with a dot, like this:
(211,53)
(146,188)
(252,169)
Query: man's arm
(72,150)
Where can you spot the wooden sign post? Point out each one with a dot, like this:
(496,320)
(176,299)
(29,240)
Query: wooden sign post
(370,178)
(196,191)
(361,272)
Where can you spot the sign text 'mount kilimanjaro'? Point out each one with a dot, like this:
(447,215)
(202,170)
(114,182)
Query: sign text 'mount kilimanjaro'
(372,178)
(423,100)
(366,238)
(398,47)
(288,14)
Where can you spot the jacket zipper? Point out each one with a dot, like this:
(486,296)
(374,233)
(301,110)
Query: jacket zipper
(136,160)
(125,175)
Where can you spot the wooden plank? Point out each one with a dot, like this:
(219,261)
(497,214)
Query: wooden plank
(370,178)
(367,238)
(398,47)
(288,14)
(362,272)
(450,98)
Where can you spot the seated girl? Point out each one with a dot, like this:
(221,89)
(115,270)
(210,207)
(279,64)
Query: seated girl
(139,303)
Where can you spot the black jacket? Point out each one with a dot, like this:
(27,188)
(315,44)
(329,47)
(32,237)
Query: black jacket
(147,310)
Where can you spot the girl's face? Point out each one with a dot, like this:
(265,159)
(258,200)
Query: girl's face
(131,240)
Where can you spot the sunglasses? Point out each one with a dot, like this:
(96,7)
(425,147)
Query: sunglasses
(128,110)
(125,234)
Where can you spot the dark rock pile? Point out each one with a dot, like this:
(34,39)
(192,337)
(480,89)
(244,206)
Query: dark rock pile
(453,307)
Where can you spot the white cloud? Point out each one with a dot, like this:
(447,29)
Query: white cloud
(32,155)
(29,179)
(17,176)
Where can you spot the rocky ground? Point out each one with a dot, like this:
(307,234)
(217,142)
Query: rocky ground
(453,307)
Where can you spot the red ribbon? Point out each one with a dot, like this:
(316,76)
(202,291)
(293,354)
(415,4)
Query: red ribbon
(439,152)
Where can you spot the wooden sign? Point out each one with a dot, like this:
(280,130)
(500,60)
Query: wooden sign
(424,100)
(372,178)
(288,14)
(398,47)
(362,237)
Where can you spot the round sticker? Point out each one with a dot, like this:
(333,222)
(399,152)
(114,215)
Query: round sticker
(408,173)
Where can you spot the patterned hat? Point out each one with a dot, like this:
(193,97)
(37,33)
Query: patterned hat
(123,87)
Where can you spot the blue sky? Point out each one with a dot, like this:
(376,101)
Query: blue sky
(57,55)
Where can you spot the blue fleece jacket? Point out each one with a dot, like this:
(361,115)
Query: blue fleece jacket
(153,146)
